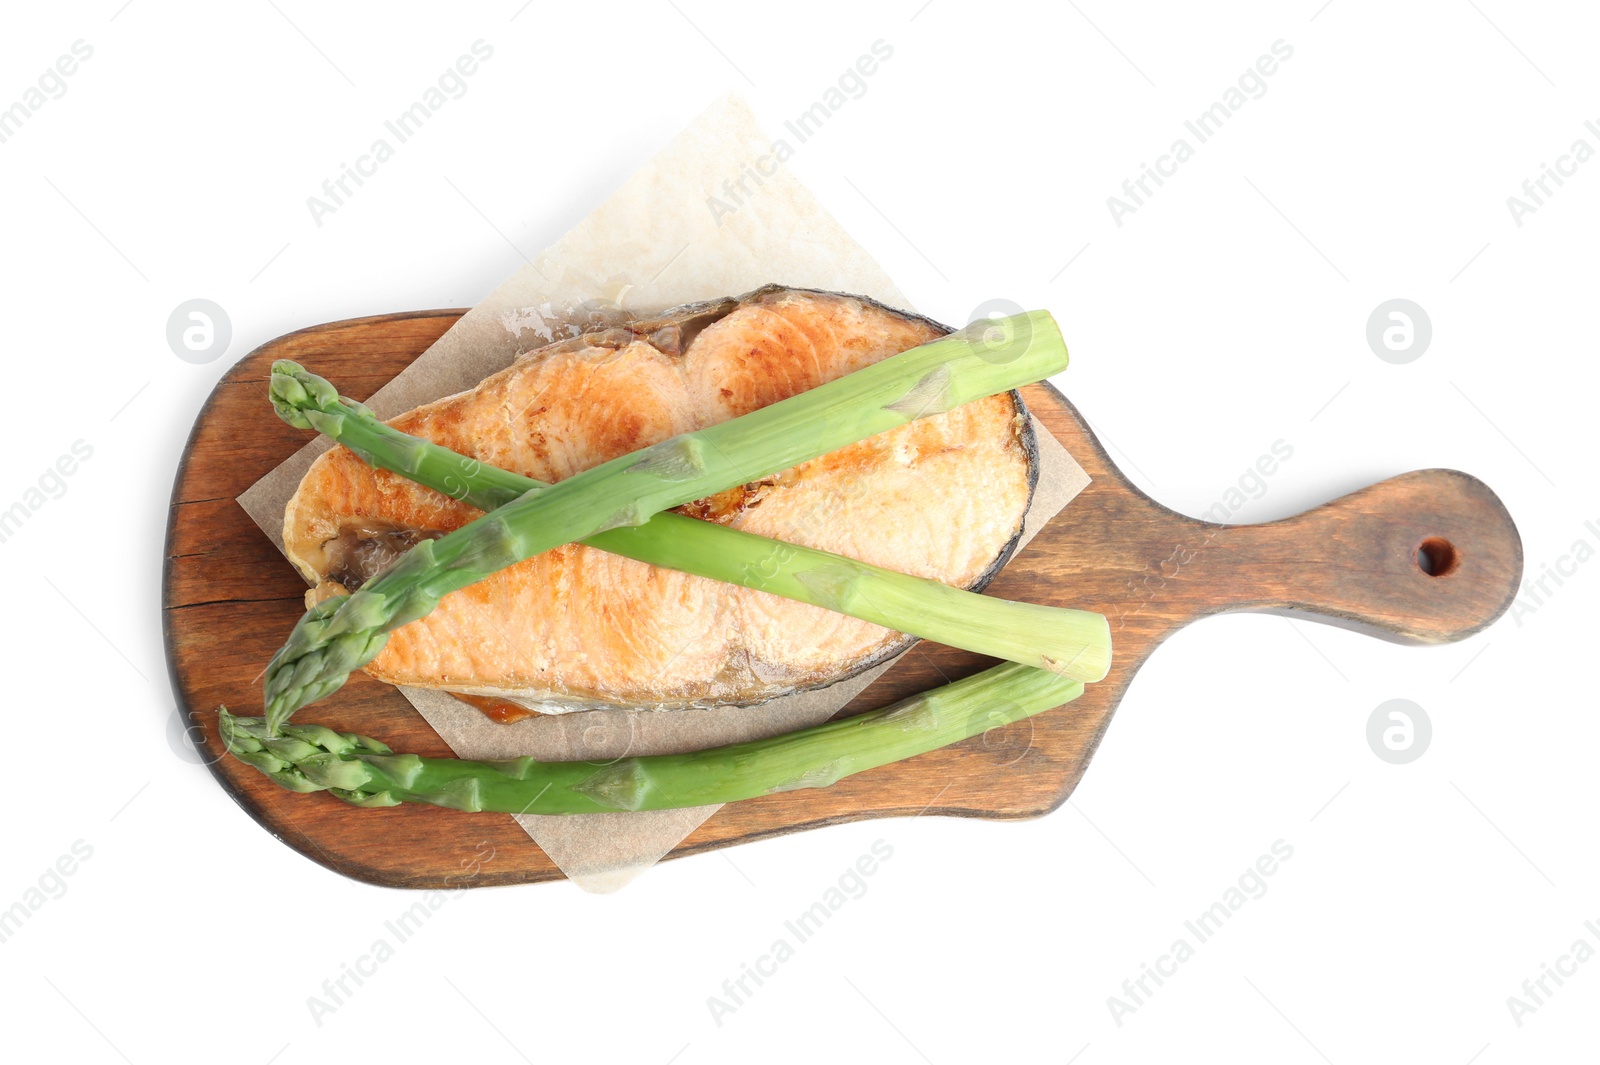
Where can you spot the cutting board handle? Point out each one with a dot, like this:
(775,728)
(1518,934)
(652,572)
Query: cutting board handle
(1426,557)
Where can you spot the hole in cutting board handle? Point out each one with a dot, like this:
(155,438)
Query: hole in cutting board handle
(1437,557)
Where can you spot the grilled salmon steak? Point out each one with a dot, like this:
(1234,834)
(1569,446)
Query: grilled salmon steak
(941,497)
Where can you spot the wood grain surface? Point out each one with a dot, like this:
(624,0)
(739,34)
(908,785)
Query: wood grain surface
(1427,557)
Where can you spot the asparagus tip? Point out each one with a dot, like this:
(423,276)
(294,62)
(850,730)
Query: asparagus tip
(294,391)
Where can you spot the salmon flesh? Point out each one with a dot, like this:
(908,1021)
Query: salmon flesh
(574,628)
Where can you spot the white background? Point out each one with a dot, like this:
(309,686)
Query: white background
(1227,313)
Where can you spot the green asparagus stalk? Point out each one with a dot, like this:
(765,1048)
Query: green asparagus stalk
(343,633)
(365,772)
(1074,643)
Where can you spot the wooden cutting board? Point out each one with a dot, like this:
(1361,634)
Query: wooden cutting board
(1427,557)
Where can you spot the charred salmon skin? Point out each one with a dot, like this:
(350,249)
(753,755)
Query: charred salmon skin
(941,497)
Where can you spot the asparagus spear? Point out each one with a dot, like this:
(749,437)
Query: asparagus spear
(1074,643)
(365,772)
(342,634)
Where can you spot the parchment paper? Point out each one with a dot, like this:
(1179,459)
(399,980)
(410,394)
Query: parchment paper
(655,244)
